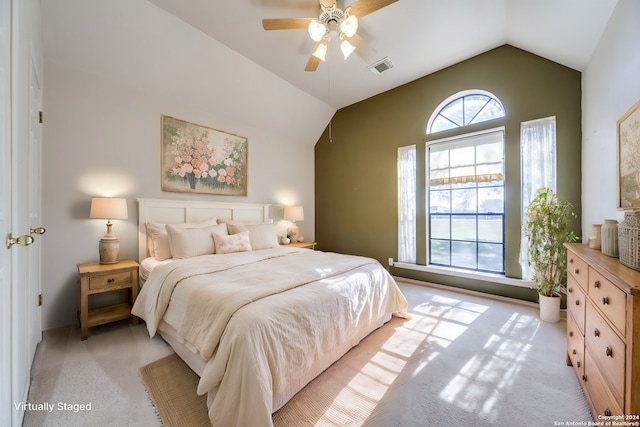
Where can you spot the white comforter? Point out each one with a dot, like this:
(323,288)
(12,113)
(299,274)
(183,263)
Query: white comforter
(261,319)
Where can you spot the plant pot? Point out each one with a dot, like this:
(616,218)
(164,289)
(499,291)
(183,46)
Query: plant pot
(550,308)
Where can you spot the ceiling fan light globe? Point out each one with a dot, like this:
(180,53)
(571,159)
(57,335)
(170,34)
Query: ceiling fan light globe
(321,51)
(346,48)
(349,26)
(317,30)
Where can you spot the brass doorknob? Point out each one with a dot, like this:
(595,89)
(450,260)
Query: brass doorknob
(37,230)
(24,240)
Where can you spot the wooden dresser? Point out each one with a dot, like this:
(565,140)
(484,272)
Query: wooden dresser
(603,331)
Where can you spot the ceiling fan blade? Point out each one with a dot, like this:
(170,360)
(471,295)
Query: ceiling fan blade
(313,62)
(285,24)
(327,3)
(365,7)
(363,50)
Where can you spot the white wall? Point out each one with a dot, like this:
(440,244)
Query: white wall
(610,86)
(111,70)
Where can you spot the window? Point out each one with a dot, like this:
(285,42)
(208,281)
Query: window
(466,202)
(464,109)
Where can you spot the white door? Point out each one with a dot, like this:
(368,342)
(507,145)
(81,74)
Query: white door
(35,214)
(21,54)
(6,404)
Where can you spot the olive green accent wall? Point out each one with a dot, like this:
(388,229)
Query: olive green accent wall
(356,175)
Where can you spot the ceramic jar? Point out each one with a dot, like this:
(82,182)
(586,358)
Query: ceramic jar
(609,239)
(595,241)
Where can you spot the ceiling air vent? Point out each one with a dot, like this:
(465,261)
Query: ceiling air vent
(381,66)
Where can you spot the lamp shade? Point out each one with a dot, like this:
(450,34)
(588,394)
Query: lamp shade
(108,208)
(317,30)
(349,26)
(321,51)
(346,48)
(293,213)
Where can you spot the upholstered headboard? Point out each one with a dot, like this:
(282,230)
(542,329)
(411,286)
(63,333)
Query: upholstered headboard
(180,211)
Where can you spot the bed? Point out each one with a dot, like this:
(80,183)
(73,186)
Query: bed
(256,320)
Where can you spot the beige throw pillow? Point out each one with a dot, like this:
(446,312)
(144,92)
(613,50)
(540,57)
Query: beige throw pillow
(261,236)
(190,242)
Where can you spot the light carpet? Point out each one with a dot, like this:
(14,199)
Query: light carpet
(459,360)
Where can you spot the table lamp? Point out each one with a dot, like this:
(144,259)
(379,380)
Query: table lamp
(294,213)
(109,208)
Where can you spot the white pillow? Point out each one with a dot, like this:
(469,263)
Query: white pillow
(190,242)
(226,244)
(158,241)
(261,236)
(230,223)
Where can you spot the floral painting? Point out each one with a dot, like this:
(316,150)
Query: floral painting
(629,159)
(199,159)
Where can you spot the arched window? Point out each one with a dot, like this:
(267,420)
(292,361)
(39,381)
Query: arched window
(463,109)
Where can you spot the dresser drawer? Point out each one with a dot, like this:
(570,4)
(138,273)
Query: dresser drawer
(113,280)
(599,394)
(607,351)
(576,302)
(575,346)
(609,299)
(579,269)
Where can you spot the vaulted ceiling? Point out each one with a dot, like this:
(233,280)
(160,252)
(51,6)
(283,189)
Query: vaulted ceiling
(418,36)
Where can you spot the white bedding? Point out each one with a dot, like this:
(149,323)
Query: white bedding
(149,264)
(260,320)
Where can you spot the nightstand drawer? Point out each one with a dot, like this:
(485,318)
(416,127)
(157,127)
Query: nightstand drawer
(607,351)
(579,269)
(609,299)
(111,281)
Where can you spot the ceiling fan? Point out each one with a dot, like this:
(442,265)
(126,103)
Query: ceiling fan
(332,22)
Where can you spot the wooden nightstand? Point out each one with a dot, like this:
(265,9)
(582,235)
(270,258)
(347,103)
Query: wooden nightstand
(306,245)
(96,278)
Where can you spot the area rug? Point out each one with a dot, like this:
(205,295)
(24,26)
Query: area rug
(459,360)
(171,385)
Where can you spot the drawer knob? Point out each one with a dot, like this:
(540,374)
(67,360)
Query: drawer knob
(609,352)
(596,333)
(596,284)
(578,364)
(607,412)
(111,280)
(570,260)
(570,290)
(577,271)
(570,333)
(605,300)
(584,378)
(574,351)
(577,302)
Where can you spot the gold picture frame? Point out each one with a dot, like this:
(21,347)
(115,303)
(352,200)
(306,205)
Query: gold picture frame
(628,130)
(200,159)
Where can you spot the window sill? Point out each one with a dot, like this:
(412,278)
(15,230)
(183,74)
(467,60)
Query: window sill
(497,278)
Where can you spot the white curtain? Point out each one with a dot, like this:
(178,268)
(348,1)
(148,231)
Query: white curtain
(407,204)
(538,156)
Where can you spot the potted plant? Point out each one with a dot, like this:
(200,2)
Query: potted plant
(546,228)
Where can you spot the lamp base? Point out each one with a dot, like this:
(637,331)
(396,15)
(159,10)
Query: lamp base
(109,249)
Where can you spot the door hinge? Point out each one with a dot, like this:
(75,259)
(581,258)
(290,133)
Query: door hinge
(39,300)
(40,116)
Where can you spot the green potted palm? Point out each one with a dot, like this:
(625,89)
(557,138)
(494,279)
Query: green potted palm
(546,228)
